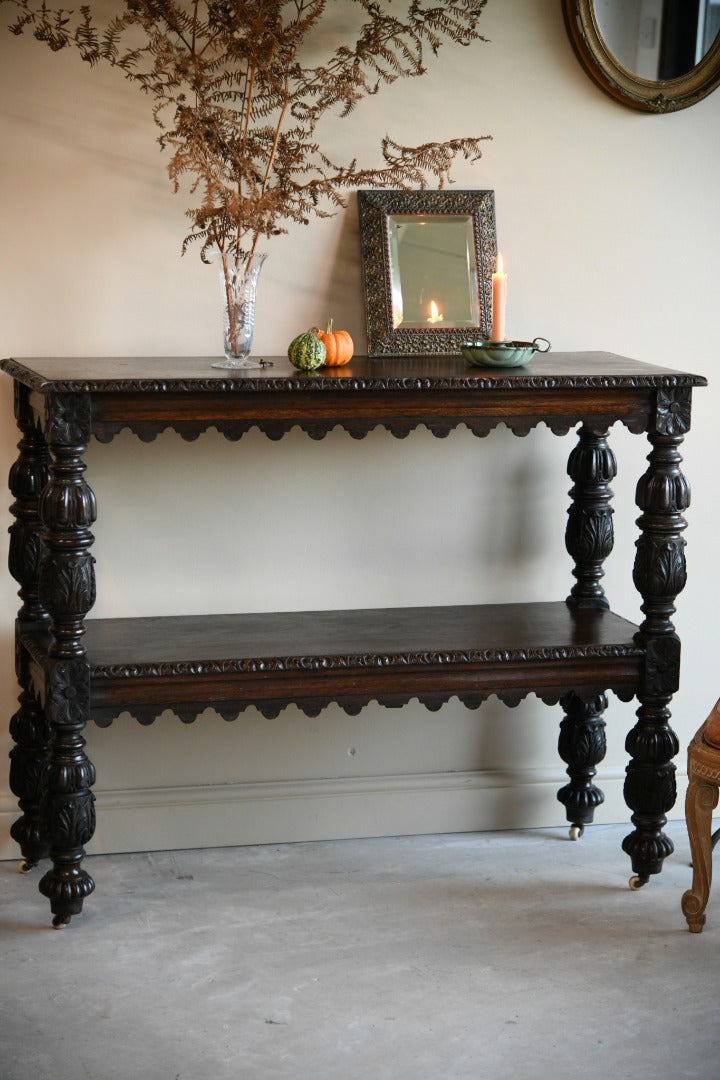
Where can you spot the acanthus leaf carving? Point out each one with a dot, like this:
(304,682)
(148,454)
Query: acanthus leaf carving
(25,554)
(72,820)
(650,790)
(660,570)
(67,585)
(590,532)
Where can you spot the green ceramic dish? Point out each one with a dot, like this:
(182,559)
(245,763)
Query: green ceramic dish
(503,353)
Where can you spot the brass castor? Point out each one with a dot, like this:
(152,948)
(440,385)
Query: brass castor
(26,865)
(576,831)
(637,881)
(61,921)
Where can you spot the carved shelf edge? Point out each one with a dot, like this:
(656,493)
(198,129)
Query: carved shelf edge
(34,645)
(320,382)
(233,430)
(189,713)
(360,662)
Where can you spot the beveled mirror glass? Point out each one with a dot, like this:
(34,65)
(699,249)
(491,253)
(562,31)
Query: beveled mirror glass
(428,259)
(653,55)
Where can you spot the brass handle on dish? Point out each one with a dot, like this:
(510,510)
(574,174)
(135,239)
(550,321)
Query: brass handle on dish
(548,346)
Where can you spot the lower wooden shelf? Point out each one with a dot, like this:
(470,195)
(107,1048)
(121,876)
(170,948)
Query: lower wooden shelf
(313,658)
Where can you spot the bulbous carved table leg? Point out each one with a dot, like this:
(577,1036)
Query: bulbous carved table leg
(69,803)
(28,727)
(582,747)
(28,760)
(659,575)
(67,589)
(589,540)
(589,534)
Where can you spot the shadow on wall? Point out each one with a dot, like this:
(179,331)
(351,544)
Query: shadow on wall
(524,516)
(324,283)
(115,118)
(345,298)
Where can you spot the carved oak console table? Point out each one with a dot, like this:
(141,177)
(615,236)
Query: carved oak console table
(572,651)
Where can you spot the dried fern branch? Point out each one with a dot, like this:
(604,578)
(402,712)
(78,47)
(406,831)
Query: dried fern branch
(238,102)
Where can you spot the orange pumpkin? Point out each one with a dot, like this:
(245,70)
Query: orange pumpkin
(338,343)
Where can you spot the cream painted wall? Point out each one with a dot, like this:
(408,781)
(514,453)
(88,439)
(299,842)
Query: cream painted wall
(608,222)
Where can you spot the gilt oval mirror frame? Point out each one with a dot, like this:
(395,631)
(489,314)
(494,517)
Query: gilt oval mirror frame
(657,96)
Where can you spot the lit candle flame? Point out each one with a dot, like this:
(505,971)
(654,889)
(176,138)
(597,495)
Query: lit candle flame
(499,264)
(435,315)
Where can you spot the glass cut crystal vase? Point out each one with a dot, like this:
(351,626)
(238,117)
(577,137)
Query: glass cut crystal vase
(238,282)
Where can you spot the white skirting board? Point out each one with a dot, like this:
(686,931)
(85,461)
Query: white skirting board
(171,818)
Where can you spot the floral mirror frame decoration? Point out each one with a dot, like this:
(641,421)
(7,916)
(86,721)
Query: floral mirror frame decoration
(647,95)
(380,210)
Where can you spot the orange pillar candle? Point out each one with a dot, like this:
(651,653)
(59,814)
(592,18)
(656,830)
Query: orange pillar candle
(499,295)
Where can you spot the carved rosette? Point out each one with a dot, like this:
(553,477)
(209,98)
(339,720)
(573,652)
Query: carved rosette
(69,803)
(662,665)
(582,746)
(589,535)
(673,406)
(67,419)
(67,509)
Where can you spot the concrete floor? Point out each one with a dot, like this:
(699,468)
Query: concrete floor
(500,955)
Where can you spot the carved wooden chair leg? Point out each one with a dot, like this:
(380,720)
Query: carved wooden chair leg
(700,802)
(713,842)
(702,797)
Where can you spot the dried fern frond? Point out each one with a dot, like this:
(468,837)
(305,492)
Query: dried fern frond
(237,104)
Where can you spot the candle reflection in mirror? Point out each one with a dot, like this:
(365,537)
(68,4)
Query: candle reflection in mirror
(435,315)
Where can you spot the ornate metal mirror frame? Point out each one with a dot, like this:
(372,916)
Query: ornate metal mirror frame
(664,95)
(428,259)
